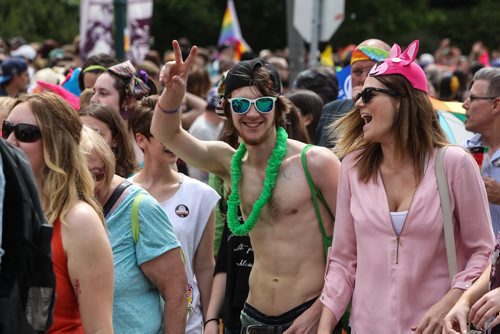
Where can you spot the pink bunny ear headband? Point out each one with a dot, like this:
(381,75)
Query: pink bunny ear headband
(402,64)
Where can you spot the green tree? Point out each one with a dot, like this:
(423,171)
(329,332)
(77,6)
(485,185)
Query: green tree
(263,22)
(40,20)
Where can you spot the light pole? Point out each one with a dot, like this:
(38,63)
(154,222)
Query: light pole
(120,9)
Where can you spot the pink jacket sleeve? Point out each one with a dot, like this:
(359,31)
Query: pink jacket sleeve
(473,230)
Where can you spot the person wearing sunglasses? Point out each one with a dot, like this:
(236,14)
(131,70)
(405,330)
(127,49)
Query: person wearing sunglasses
(47,129)
(269,184)
(388,257)
(150,279)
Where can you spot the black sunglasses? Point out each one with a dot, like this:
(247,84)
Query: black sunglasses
(26,133)
(367,94)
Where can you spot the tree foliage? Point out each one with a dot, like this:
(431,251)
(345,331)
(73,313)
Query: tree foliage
(263,22)
(40,20)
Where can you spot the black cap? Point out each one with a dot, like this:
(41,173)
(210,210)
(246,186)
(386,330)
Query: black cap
(241,75)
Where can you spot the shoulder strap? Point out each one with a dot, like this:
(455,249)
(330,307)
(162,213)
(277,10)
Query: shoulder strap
(114,196)
(444,196)
(315,196)
(135,217)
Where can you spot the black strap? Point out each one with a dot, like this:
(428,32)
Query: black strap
(114,196)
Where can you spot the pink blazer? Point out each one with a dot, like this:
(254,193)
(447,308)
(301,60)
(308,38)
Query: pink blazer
(394,281)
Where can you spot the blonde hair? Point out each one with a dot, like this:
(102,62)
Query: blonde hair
(85,97)
(93,143)
(416,128)
(6,105)
(66,178)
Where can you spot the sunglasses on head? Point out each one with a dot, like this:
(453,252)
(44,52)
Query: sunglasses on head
(26,133)
(367,94)
(241,105)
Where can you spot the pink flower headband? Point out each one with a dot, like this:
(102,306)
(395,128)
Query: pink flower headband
(403,64)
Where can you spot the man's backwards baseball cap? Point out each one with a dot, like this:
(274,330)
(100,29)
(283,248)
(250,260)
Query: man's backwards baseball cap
(403,64)
(11,67)
(241,75)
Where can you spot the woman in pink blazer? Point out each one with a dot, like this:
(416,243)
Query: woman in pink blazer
(388,256)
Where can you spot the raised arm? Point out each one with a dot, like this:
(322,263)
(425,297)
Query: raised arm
(213,156)
(196,107)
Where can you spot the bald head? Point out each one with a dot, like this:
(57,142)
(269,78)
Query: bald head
(376,43)
(366,54)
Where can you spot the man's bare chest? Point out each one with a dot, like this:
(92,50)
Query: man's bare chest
(288,196)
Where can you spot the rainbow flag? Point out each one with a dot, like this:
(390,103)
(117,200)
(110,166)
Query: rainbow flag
(230,33)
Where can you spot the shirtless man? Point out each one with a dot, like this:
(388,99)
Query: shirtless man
(289,265)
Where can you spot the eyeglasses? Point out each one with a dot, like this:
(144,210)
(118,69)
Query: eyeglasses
(98,174)
(26,133)
(367,94)
(264,104)
(473,98)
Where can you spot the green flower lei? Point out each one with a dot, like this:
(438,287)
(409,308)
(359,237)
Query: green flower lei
(273,166)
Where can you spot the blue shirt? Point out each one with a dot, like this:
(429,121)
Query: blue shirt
(491,168)
(138,306)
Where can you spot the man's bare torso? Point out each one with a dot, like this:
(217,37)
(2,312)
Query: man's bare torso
(288,246)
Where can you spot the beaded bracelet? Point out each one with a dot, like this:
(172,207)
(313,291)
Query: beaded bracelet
(210,320)
(165,111)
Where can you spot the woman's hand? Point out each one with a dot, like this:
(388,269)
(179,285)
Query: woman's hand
(456,320)
(486,309)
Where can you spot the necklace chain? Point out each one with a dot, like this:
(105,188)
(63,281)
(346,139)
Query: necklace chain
(273,166)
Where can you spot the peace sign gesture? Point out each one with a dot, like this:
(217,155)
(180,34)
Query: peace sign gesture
(174,75)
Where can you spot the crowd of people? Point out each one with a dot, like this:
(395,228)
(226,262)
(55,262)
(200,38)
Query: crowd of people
(196,193)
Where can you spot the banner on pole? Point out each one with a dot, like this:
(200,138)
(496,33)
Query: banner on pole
(139,13)
(96,27)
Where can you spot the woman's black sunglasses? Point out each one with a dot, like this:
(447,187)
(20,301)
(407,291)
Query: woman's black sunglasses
(25,133)
(367,94)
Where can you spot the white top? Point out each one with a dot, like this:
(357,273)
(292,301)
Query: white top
(398,220)
(188,210)
(203,130)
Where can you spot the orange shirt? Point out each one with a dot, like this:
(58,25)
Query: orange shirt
(66,310)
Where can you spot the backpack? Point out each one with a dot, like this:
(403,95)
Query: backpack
(27,281)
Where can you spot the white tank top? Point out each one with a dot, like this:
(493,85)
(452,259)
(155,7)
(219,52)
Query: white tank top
(398,220)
